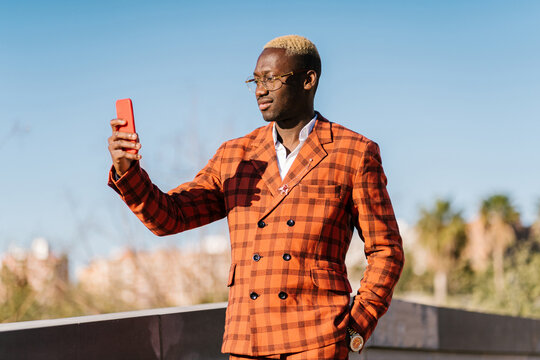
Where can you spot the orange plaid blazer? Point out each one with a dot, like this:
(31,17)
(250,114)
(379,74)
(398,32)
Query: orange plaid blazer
(289,290)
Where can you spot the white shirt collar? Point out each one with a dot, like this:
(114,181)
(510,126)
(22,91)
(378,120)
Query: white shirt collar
(304,133)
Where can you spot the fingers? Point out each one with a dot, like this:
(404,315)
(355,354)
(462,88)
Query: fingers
(118,135)
(123,144)
(120,152)
(123,149)
(127,136)
(116,124)
(127,155)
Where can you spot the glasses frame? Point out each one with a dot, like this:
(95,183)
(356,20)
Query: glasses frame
(257,81)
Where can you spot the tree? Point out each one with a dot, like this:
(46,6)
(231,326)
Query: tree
(535,227)
(499,219)
(442,231)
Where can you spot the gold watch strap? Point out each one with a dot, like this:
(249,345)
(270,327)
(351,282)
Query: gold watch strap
(356,342)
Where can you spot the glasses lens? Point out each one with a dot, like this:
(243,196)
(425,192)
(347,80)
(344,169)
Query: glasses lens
(269,84)
(251,84)
(272,84)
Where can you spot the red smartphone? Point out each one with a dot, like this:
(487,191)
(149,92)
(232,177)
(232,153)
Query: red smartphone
(124,111)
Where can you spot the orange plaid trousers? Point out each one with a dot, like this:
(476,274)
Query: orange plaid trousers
(336,351)
(288,286)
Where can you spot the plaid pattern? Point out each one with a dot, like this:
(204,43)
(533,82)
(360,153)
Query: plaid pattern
(336,351)
(288,281)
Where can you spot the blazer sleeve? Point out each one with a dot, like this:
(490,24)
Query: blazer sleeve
(189,205)
(378,227)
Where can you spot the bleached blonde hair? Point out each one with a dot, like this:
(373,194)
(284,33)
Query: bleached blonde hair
(293,45)
(299,46)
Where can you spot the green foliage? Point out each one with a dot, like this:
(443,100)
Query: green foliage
(500,221)
(534,235)
(22,303)
(441,230)
(20,300)
(474,291)
(515,262)
(523,282)
(499,205)
(522,285)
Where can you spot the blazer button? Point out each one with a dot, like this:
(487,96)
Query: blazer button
(287,257)
(256,257)
(261,224)
(283,295)
(290,222)
(253,295)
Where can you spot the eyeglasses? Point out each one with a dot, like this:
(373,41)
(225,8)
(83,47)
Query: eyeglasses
(270,83)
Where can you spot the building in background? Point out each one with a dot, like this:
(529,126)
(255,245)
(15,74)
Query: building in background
(45,273)
(164,277)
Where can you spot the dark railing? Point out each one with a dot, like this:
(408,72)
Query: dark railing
(407,331)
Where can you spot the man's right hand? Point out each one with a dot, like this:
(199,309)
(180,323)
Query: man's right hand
(118,142)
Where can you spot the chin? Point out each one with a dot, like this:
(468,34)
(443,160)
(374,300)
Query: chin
(268,117)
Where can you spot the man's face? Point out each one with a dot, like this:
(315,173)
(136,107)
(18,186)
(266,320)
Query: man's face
(289,100)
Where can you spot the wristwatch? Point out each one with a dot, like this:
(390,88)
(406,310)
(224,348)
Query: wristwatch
(356,342)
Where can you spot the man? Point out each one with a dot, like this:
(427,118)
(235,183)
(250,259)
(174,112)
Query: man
(292,191)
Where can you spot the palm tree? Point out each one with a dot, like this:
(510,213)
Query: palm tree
(499,219)
(535,227)
(442,231)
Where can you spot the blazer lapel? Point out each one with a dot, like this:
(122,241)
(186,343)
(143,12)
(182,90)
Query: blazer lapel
(310,155)
(264,159)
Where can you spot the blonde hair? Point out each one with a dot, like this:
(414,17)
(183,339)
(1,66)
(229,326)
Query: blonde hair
(297,45)
(293,45)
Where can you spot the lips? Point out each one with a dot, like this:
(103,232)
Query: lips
(264,104)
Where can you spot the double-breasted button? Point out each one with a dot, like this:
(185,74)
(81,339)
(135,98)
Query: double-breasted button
(287,257)
(282,295)
(290,222)
(256,257)
(253,295)
(261,224)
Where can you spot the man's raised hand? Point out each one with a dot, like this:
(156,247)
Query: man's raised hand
(118,142)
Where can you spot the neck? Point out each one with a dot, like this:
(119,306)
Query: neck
(289,130)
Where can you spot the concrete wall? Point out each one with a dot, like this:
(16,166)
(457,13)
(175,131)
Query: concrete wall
(407,331)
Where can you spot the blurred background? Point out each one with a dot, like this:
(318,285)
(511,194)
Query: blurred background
(448,89)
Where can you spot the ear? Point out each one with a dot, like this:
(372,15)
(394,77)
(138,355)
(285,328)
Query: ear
(311,80)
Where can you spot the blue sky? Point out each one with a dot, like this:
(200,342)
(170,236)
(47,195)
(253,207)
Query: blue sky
(449,90)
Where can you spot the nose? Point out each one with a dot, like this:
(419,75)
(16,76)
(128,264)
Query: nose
(260,90)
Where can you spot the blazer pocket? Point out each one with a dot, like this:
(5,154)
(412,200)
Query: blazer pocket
(329,279)
(231,275)
(320,191)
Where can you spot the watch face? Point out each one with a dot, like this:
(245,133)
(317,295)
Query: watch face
(357,342)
